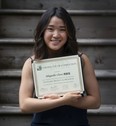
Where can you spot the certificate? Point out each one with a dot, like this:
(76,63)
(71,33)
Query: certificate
(58,75)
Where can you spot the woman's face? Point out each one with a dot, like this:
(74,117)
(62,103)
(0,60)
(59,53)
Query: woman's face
(55,35)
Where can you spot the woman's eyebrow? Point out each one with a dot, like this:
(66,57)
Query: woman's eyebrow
(63,26)
(50,25)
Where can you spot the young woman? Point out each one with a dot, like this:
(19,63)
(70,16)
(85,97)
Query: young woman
(55,36)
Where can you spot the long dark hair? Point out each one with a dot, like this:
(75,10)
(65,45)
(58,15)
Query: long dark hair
(71,46)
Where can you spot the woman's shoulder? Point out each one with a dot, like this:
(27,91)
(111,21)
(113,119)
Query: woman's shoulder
(83,55)
(84,58)
(28,61)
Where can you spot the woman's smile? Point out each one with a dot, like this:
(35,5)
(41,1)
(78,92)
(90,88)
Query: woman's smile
(55,42)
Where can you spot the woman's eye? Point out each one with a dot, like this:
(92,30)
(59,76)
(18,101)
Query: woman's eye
(63,29)
(50,29)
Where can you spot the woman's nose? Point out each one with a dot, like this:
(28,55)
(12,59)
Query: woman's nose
(56,33)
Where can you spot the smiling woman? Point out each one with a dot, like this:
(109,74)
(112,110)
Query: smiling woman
(56,27)
(55,37)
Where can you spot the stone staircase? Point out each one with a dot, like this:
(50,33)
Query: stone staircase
(95,23)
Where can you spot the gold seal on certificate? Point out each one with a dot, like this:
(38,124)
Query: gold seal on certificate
(58,75)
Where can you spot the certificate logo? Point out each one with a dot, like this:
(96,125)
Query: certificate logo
(39,68)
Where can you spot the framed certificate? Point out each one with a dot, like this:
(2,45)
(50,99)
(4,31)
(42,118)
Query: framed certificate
(58,75)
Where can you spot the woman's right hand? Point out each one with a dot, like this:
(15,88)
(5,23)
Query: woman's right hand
(71,98)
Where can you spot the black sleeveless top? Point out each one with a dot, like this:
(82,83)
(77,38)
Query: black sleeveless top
(61,116)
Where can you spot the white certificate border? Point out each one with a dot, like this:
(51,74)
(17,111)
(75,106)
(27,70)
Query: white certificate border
(54,59)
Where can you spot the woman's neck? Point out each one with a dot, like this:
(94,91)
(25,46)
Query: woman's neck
(52,53)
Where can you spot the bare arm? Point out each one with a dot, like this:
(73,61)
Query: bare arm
(26,101)
(92,100)
(30,104)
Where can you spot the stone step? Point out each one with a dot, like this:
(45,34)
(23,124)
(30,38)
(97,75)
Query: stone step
(18,23)
(93,19)
(77,12)
(103,110)
(100,51)
(100,74)
(10,82)
(81,41)
(71,4)
(9,114)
